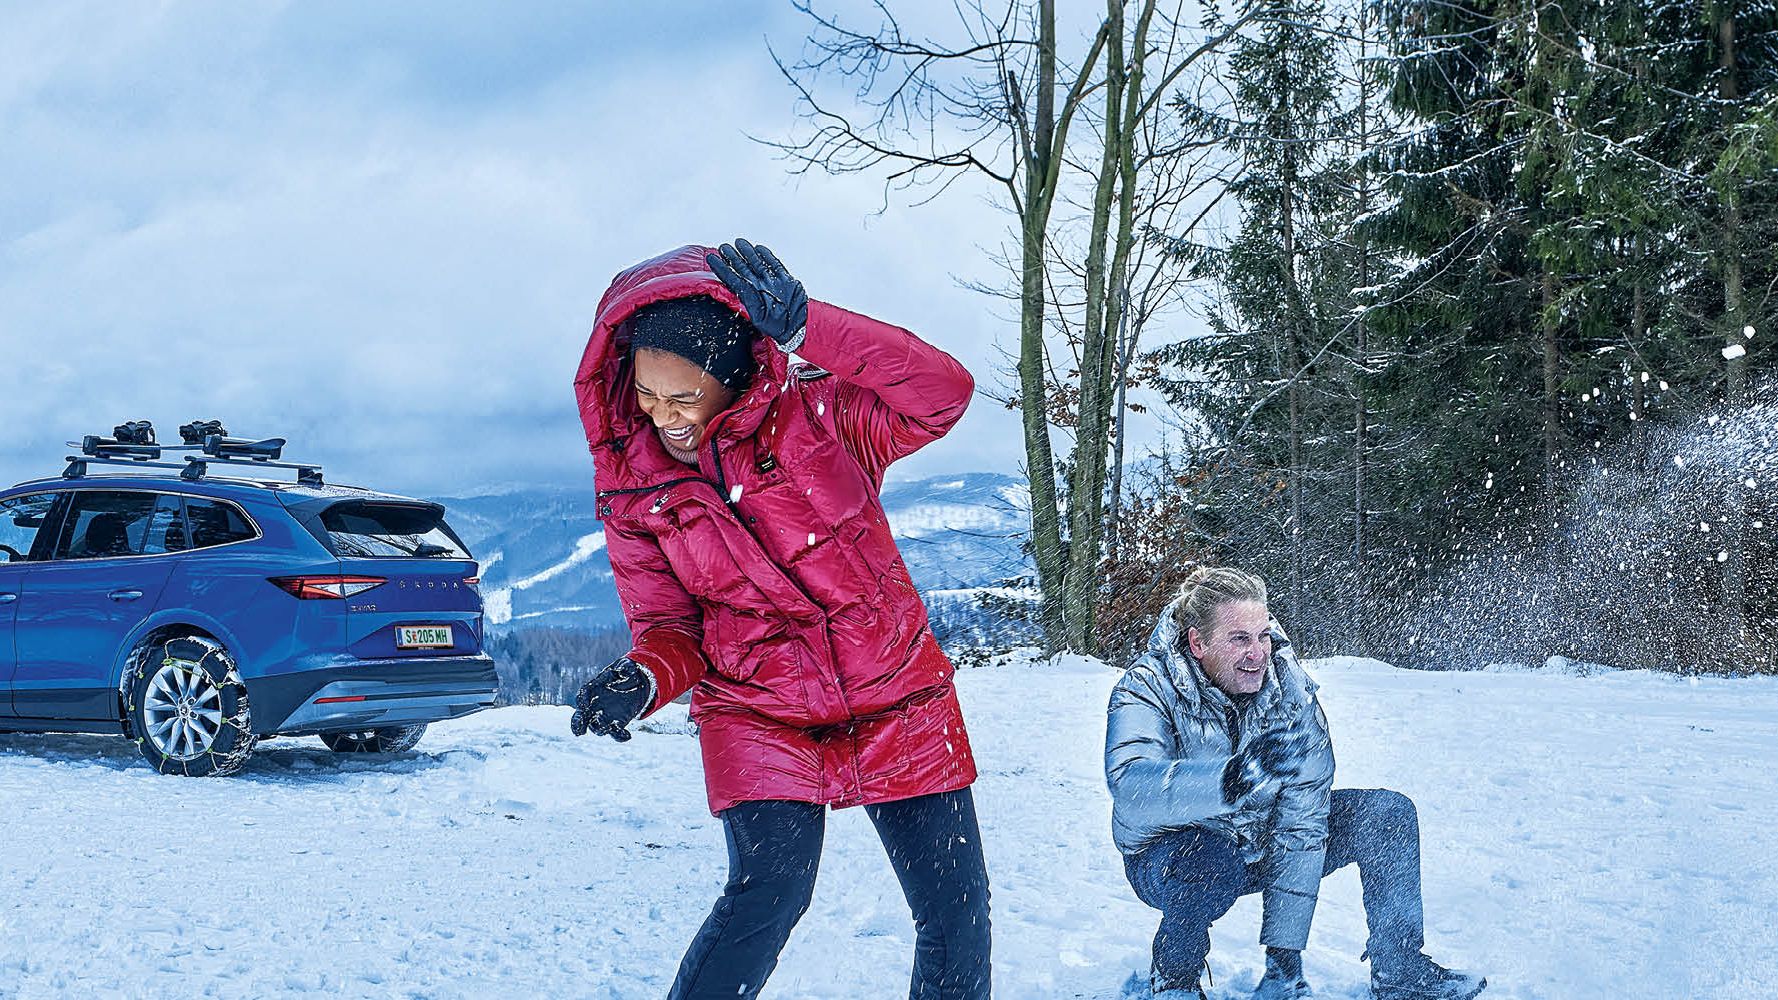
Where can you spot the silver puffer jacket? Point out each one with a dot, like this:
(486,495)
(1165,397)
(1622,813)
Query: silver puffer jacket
(1169,734)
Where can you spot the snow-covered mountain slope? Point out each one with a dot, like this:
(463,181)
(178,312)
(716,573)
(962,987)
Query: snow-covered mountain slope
(1612,837)
(543,560)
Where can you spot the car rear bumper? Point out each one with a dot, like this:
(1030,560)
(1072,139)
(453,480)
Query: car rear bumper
(369,694)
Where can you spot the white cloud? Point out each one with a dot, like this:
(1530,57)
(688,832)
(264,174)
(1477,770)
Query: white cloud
(387,245)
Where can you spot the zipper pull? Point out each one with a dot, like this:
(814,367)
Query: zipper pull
(660,501)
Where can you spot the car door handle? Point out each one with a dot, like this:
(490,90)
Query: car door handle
(124,595)
(8,598)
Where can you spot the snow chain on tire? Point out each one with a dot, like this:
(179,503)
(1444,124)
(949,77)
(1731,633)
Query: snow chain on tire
(198,657)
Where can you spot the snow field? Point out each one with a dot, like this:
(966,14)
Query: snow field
(1601,837)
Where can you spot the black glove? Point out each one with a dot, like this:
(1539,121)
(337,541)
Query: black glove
(775,302)
(612,700)
(1272,757)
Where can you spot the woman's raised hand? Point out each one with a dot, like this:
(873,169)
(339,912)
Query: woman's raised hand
(775,301)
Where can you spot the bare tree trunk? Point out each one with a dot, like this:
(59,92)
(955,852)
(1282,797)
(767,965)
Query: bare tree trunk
(1639,381)
(1047,139)
(1111,236)
(1552,402)
(1734,582)
(1360,405)
(1040,463)
(1295,319)
(1126,349)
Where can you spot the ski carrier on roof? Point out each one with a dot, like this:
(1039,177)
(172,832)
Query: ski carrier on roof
(132,444)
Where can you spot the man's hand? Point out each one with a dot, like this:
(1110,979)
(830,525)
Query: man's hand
(613,699)
(1270,759)
(775,301)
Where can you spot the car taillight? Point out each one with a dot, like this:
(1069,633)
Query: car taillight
(332,587)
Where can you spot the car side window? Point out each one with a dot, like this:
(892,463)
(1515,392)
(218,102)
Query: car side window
(21,518)
(214,522)
(105,524)
(165,528)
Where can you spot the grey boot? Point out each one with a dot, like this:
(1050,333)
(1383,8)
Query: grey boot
(1420,978)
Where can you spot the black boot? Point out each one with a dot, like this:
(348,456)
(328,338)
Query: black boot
(1284,976)
(1151,987)
(1163,990)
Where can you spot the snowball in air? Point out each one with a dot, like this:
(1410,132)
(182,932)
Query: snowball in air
(1734,351)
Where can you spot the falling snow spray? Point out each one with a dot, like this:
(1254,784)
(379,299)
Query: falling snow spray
(1634,566)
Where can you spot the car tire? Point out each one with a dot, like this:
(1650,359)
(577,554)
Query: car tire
(187,707)
(389,739)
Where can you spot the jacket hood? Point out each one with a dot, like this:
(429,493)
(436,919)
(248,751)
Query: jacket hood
(1285,683)
(608,408)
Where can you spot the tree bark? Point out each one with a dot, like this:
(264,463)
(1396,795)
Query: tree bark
(1126,348)
(1734,583)
(1295,319)
(1552,401)
(1360,406)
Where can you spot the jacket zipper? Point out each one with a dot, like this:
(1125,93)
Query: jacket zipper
(722,486)
(602,494)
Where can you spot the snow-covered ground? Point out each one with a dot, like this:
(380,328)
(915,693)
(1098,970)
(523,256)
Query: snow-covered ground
(1612,836)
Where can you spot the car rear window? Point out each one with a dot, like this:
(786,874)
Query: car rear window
(382,530)
(215,522)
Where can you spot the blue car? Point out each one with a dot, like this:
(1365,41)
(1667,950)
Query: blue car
(197,607)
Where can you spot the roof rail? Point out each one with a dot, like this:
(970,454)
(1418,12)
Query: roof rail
(132,445)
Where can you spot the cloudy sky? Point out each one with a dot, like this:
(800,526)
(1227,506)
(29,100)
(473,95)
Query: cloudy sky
(380,230)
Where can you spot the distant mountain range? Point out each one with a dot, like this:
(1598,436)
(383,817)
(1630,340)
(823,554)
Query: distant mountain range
(543,561)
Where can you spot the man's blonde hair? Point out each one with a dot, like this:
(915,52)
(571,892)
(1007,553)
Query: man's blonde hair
(1207,590)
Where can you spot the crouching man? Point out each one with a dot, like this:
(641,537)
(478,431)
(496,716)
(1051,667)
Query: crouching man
(1221,772)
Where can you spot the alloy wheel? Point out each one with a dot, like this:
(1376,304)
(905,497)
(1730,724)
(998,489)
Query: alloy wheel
(183,710)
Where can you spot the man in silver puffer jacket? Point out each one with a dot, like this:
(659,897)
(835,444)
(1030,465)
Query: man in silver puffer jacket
(1221,774)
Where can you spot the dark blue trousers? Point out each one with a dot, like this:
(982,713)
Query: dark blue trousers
(774,849)
(1194,876)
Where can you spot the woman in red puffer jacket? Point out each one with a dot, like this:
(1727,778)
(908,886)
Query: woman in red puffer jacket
(739,494)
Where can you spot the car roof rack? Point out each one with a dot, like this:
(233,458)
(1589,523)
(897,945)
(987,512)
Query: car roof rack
(132,445)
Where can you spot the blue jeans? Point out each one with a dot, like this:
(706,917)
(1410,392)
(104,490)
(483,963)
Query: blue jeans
(774,848)
(1194,876)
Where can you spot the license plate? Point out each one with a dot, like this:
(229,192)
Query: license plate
(423,637)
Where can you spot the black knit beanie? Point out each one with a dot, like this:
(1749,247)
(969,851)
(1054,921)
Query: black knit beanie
(701,330)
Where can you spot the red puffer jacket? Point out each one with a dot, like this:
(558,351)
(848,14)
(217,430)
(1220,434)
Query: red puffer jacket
(767,576)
